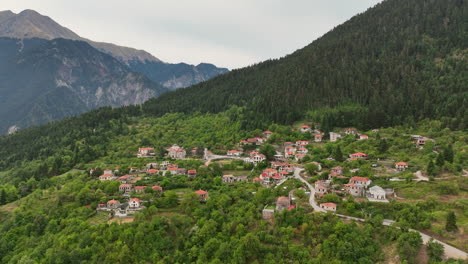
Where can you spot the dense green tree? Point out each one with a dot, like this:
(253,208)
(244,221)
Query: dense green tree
(451,222)
(269,151)
(338,154)
(431,169)
(435,251)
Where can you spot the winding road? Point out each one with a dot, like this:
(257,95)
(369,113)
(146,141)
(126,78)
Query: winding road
(450,251)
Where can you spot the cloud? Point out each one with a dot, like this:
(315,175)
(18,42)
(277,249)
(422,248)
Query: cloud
(227,33)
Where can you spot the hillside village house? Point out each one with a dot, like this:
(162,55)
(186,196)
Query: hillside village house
(255,141)
(338,170)
(334,136)
(202,194)
(302,143)
(126,188)
(350,131)
(299,156)
(267,134)
(358,155)
(140,189)
(192,173)
(328,206)
(107,177)
(152,171)
(376,192)
(321,187)
(302,150)
(157,188)
(282,203)
(134,204)
(364,181)
(354,189)
(145,152)
(305,129)
(234,153)
(228,178)
(401,166)
(125,179)
(255,157)
(113,204)
(318,138)
(362,137)
(176,152)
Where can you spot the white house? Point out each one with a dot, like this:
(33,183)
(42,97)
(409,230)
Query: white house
(305,129)
(318,138)
(362,137)
(364,181)
(376,192)
(354,189)
(328,206)
(145,152)
(176,152)
(235,153)
(401,166)
(358,155)
(334,136)
(126,188)
(228,178)
(134,203)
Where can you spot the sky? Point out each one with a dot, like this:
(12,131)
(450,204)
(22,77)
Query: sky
(231,34)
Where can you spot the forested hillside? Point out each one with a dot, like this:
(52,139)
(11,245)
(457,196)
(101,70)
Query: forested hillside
(402,61)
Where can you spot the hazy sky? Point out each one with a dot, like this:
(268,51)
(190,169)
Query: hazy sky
(231,34)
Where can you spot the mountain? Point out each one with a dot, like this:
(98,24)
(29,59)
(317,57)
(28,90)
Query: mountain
(44,80)
(31,24)
(174,76)
(392,65)
(398,62)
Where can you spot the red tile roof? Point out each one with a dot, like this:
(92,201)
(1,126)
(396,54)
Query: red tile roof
(402,163)
(328,204)
(357,178)
(201,192)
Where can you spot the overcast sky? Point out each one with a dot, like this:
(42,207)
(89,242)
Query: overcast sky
(230,34)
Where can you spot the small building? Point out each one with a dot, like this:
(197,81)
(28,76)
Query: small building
(321,187)
(282,203)
(376,192)
(334,136)
(267,134)
(125,178)
(126,188)
(302,150)
(157,188)
(113,204)
(202,194)
(228,178)
(268,213)
(401,166)
(152,171)
(234,153)
(328,206)
(302,143)
(255,157)
(145,152)
(362,137)
(134,204)
(176,152)
(350,131)
(140,189)
(338,170)
(358,155)
(305,129)
(107,177)
(364,181)
(354,189)
(299,157)
(192,173)
(318,138)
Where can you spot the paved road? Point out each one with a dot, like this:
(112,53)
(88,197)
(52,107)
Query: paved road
(450,252)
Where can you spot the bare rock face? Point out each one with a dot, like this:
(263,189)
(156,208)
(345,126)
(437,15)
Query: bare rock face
(44,80)
(31,24)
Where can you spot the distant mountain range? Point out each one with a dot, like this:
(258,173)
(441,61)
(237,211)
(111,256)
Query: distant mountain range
(48,72)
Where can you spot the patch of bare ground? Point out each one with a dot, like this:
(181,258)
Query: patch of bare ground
(422,256)
(391,254)
(121,220)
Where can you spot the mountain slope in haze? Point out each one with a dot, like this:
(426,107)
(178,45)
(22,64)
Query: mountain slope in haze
(44,80)
(30,24)
(400,61)
(179,75)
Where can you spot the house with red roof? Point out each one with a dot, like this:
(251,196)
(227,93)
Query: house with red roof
(152,171)
(334,136)
(328,206)
(299,156)
(358,155)
(157,188)
(234,153)
(134,204)
(140,189)
(305,129)
(192,173)
(354,189)
(145,152)
(125,179)
(255,157)
(302,143)
(126,188)
(282,203)
(321,187)
(202,194)
(176,152)
(350,131)
(302,150)
(337,170)
(107,177)
(364,181)
(401,166)
(113,204)
(267,134)
(318,138)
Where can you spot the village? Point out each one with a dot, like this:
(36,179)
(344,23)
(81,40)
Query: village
(291,160)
